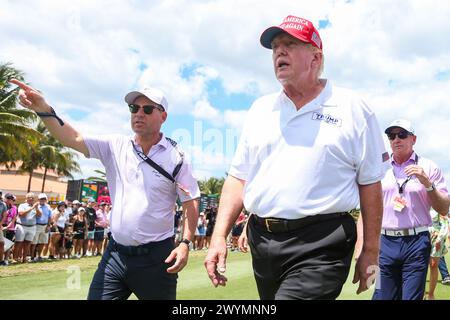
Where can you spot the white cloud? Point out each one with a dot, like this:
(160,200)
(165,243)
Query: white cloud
(235,119)
(204,110)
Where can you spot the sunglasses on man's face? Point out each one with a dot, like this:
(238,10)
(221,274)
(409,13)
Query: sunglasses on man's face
(148,109)
(402,135)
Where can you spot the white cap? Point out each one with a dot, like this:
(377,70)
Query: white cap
(42,196)
(154,94)
(400,123)
(76,202)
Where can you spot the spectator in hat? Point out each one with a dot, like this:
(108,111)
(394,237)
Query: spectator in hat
(75,206)
(146,173)
(411,188)
(199,237)
(80,227)
(9,224)
(91,216)
(307,135)
(43,222)
(69,208)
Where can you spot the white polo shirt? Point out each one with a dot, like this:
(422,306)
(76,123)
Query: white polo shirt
(142,198)
(307,162)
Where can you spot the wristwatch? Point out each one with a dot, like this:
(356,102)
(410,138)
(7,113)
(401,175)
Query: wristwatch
(186,241)
(431,188)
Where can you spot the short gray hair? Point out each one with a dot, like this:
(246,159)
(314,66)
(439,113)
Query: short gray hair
(29,195)
(322,63)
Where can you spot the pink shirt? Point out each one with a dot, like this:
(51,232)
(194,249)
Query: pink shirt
(101,218)
(11,213)
(142,198)
(417,210)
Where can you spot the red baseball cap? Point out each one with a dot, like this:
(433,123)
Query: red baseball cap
(297,27)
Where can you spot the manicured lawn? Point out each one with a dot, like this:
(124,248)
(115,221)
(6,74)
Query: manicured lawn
(70,279)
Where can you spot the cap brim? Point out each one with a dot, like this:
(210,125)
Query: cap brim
(130,97)
(133,95)
(268,35)
(392,127)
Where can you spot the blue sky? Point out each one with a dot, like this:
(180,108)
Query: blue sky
(86,55)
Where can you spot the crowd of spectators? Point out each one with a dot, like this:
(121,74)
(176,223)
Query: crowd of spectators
(34,231)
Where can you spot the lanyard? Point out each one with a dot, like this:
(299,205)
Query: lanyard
(161,170)
(153,164)
(401,188)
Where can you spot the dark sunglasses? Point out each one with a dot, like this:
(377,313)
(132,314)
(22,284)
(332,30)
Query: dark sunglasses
(148,109)
(402,135)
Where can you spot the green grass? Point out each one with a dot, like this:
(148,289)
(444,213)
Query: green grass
(55,281)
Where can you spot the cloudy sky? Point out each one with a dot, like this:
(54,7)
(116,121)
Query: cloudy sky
(86,55)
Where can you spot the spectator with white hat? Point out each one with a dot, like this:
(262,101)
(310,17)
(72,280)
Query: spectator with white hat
(80,226)
(411,188)
(41,237)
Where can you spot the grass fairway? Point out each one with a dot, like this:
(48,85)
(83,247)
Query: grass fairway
(70,279)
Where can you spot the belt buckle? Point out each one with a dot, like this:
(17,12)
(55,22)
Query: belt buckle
(268,225)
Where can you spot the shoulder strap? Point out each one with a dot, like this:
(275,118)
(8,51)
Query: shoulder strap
(153,164)
(158,167)
(178,166)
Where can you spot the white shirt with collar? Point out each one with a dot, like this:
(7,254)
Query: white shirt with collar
(310,161)
(142,198)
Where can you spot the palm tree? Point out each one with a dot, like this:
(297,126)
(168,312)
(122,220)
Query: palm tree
(48,154)
(15,132)
(54,156)
(212,186)
(100,178)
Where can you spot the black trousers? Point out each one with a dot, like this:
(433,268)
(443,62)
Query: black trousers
(143,273)
(311,262)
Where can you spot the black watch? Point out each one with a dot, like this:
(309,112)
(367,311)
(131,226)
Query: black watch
(186,241)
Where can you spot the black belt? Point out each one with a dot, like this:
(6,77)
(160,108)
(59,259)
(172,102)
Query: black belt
(25,225)
(275,225)
(140,250)
(41,224)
